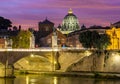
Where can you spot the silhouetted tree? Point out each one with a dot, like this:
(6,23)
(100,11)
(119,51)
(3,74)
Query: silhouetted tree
(102,42)
(31,30)
(85,39)
(90,39)
(14,28)
(5,23)
(19,27)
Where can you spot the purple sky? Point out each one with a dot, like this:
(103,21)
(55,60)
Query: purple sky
(28,13)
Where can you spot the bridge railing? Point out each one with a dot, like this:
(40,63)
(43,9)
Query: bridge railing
(44,49)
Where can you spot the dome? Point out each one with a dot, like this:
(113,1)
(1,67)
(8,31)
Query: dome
(70,22)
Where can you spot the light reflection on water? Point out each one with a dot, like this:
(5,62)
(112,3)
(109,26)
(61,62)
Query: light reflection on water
(55,80)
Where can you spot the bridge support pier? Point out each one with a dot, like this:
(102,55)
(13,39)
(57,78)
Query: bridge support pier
(56,64)
(7,72)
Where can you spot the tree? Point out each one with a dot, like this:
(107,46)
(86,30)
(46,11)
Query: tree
(99,41)
(22,40)
(102,42)
(90,39)
(94,38)
(86,39)
(5,23)
(15,28)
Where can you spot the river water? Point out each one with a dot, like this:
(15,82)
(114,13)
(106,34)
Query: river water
(37,79)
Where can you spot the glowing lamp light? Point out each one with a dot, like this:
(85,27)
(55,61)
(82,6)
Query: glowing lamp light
(116,57)
(27,61)
(32,55)
(55,62)
(87,53)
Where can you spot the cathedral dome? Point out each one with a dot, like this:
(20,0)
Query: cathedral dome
(70,22)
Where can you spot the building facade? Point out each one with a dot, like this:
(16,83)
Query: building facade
(3,43)
(114,34)
(54,40)
(46,26)
(73,37)
(116,24)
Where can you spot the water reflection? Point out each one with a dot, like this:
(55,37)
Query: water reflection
(55,79)
(6,80)
(32,79)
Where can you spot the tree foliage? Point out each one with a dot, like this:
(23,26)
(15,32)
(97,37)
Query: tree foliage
(92,39)
(22,40)
(5,23)
(85,39)
(103,41)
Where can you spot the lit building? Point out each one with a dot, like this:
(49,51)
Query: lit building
(115,38)
(73,39)
(70,23)
(2,43)
(48,36)
(5,41)
(49,41)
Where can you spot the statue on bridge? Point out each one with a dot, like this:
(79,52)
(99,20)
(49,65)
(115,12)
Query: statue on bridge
(54,38)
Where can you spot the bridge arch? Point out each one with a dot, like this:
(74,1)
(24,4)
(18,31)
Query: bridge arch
(13,57)
(41,61)
(2,65)
(34,61)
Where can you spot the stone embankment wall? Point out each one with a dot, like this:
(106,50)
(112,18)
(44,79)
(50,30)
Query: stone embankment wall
(98,61)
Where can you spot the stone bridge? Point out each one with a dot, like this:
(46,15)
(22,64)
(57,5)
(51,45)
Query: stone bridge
(48,59)
(44,59)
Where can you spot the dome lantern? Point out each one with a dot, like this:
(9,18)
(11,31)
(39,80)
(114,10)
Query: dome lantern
(70,11)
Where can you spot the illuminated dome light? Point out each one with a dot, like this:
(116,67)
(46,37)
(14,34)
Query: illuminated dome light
(70,23)
(70,11)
